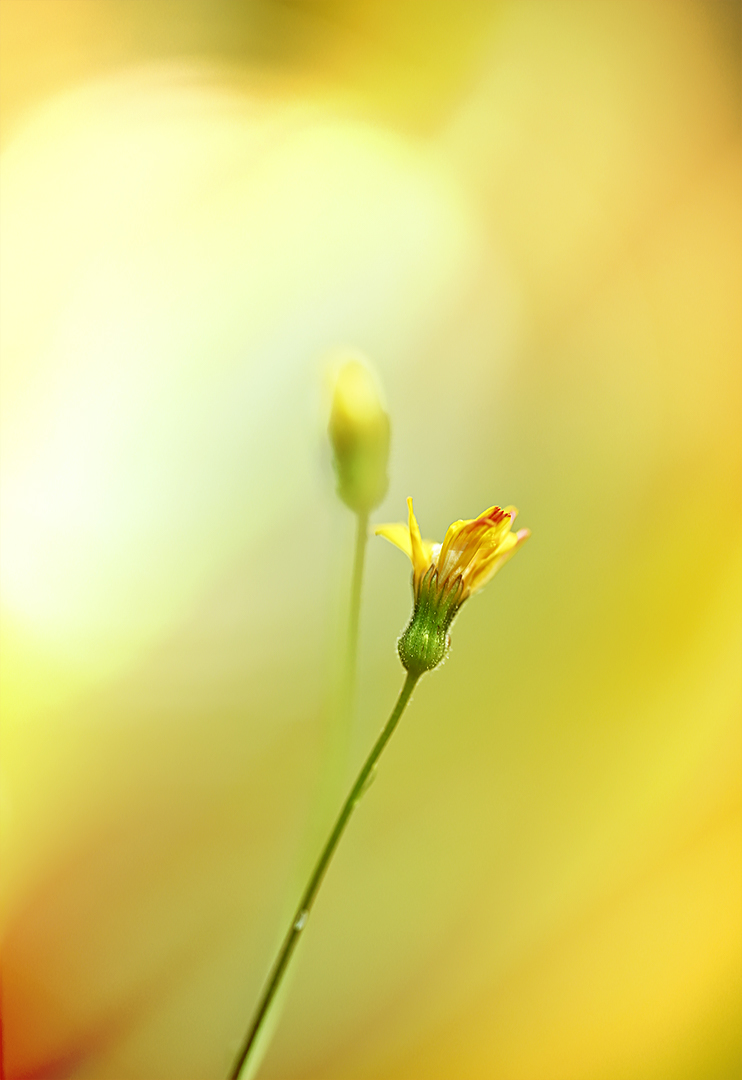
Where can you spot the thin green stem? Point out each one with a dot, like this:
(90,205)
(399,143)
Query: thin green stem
(312,888)
(338,722)
(354,615)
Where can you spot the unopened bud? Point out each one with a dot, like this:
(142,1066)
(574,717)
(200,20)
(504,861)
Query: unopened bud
(359,433)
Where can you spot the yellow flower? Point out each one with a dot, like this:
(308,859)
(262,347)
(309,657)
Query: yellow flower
(445,575)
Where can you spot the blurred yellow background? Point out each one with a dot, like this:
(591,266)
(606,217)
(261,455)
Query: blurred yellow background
(527,214)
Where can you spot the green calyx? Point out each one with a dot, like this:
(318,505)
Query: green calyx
(425,642)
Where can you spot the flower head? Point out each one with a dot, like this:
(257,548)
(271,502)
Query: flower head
(359,434)
(445,575)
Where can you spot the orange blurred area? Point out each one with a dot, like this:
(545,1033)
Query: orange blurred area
(527,215)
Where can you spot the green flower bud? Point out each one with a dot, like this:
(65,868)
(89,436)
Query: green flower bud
(424,644)
(359,434)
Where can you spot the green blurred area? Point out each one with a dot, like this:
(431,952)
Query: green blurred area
(527,215)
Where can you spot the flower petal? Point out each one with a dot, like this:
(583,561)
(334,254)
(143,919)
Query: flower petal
(399,535)
(420,556)
(488,567)
(467,542)
(396,534)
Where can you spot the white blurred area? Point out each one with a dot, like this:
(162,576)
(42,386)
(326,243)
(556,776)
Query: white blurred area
(176,259)
(528,216)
